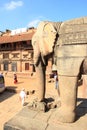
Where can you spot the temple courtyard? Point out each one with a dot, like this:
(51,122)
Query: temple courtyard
(10,104)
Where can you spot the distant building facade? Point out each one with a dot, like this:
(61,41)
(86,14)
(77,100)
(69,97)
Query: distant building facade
(16,51)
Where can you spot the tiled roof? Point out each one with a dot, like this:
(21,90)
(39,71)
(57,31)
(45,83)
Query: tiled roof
(16,38)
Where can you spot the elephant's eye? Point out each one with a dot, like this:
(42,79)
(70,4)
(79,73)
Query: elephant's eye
(53,31)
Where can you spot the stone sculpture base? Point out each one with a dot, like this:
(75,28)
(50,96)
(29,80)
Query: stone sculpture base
(28,119)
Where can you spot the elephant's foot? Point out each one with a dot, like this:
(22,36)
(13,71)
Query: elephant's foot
(44,105)
(63,115)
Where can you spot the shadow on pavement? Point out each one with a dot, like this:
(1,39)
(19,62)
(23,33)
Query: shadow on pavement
(48,100)
(81,109)
(19,82)
(11,89)
(5,95)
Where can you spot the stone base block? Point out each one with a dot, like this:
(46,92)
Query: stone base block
(28,119)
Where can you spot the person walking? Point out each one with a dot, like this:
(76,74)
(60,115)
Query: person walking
(15,78)
(56,80)
(22,96)
(56,83)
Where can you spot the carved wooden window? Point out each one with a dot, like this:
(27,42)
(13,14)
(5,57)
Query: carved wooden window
(30,55)
(5,55)
(26,66)
(25,55)
(5,66)
(15,55)
(14,66)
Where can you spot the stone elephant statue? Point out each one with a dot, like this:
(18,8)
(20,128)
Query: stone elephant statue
(67,43)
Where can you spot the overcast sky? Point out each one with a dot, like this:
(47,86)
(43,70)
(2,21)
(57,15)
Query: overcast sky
(16,14)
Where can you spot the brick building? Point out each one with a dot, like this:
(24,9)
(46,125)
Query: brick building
(16,52)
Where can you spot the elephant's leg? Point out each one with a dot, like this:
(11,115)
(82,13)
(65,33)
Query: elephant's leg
(68,95)
(40,82)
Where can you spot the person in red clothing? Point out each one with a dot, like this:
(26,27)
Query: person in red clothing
(15,78)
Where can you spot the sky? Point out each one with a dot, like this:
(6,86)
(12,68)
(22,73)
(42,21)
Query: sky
(16,14)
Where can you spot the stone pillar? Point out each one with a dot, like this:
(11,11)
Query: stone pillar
(10,69)
(2,67)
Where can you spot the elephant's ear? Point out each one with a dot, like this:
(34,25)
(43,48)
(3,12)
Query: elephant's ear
(49,36)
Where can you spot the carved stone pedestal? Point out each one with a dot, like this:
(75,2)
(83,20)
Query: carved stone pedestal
(28,119)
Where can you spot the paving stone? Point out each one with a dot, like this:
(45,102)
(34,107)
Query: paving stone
(10,108)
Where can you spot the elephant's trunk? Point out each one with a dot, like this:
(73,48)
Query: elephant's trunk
(40,84)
